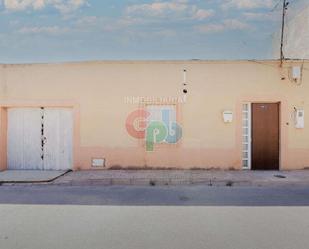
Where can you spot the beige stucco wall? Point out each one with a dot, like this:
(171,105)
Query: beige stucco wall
(97,92)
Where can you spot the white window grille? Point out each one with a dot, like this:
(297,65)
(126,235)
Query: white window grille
(246,136)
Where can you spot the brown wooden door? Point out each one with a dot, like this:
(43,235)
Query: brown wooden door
(265,136)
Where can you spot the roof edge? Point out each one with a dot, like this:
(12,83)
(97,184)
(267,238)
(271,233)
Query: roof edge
(193,61)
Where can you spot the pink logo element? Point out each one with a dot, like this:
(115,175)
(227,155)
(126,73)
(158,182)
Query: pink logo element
(136,123)
(155,128)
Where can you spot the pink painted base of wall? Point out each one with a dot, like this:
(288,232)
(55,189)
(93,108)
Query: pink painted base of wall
(179,158)
(161,158)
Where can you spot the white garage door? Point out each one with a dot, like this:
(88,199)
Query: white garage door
(24,139)
(40,138)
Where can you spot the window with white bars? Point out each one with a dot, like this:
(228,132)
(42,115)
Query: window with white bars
(246,136)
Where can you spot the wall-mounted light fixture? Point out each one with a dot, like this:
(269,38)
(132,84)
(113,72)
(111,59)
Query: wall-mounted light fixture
(228,116)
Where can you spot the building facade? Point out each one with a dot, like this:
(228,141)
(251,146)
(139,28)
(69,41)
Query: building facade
(155,114)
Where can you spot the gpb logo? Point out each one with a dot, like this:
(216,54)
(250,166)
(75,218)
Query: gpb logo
(154,126)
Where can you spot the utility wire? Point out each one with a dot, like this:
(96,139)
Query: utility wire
(284,10)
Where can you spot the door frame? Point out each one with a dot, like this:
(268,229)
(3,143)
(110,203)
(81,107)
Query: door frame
(281,148)
(4,106)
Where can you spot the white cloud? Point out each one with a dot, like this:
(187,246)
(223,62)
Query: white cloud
(202,14)
(51,30)
(248,4)
(87,21)
(235,24)
(157,8)
(210,28)
(259,16)
(174,8)
(64,6)
(23,4)
(69,6)
(229,24)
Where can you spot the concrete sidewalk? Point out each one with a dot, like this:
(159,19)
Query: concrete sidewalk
(185,177)
(30,176)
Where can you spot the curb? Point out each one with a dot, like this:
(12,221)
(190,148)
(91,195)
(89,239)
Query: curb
(39,181)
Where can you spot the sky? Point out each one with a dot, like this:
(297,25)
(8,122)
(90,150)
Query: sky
(77,30)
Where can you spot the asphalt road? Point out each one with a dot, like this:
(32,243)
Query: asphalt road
(155,196)
(100,227)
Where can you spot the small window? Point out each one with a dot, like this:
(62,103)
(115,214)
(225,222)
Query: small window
(246,135)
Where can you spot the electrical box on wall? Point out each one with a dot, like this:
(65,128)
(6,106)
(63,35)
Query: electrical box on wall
(296,72)
(228,116)
(98,162)
(299,119)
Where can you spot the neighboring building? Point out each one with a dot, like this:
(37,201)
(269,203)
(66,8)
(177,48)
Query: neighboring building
(296,33)
(296,41)
(100,115)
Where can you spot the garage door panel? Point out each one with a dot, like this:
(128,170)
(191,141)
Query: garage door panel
(24,139)
(58,126)
(33,140)
(66,141)
(15,139)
